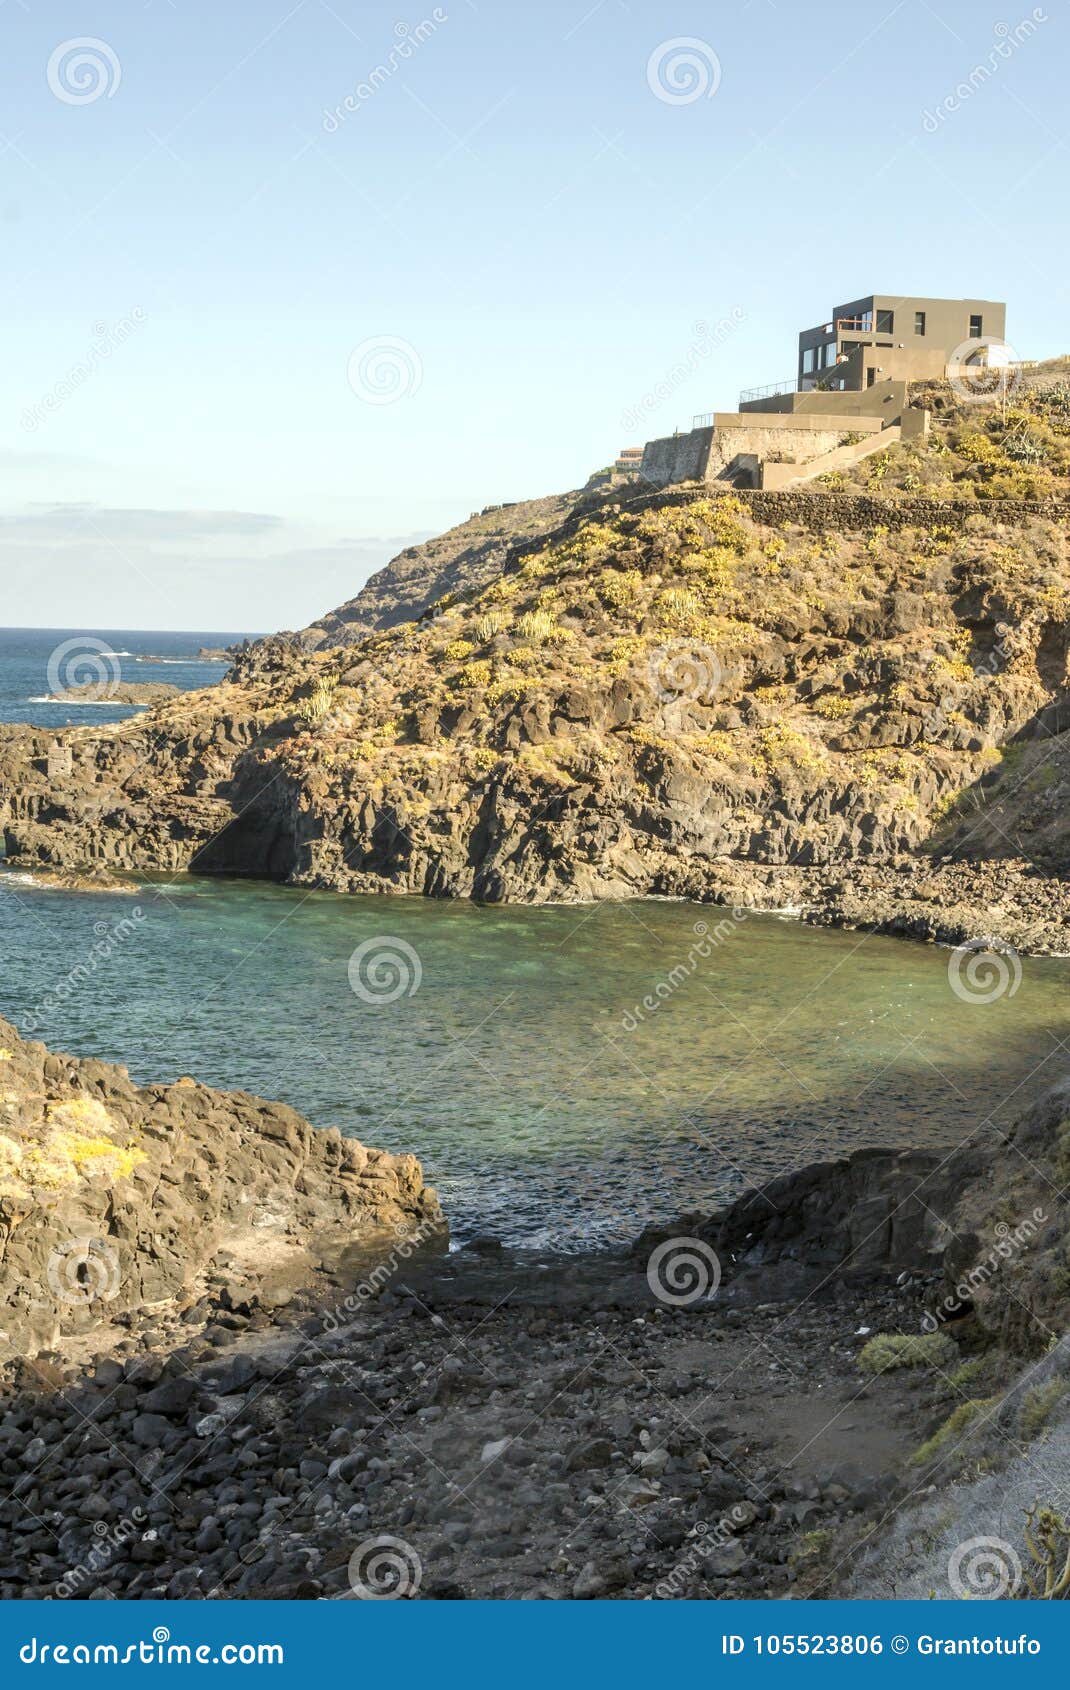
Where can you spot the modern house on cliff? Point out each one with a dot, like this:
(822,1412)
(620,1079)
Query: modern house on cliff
(849,397)
(883,337)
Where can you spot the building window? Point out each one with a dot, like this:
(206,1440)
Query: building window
(976,328)
(830,353)
(919,322)
(885,322)
(871,376)
(808,361)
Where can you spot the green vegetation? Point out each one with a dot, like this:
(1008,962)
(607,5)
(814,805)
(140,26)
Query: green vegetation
(906,1349)
(798,671)
(1038,1407)
(953,1428)
(978,450)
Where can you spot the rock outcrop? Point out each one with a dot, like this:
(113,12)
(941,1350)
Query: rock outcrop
(115,1197)
(460,561)
(668,700)
(133,692)
(621,693)
(990,1219)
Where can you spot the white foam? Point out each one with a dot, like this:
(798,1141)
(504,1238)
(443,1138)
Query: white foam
(87,703)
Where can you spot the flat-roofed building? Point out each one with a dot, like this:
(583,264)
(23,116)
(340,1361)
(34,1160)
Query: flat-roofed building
(886,337)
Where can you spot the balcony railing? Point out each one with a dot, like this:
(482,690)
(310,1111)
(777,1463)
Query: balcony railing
(751,393)
(858,325)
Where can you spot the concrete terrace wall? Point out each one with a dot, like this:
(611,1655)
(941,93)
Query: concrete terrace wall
(798,423)
(789,445)
(776,476)
(707,454)
(886,399)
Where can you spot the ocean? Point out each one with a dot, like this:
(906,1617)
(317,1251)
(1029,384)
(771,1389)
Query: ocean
(37,661)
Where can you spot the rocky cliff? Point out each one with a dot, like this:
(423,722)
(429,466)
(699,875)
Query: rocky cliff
(986,1225)
(115,1197)
(670,699)
(461,560)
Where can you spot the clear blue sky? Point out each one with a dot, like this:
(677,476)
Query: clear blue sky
(514,202)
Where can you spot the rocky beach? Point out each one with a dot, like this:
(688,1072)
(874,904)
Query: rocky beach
(312,1399)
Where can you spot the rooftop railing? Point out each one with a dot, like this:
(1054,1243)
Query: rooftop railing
(750,393)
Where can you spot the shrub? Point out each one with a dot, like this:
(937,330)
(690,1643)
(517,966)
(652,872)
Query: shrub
(1038,1405)
(889,1350)
(1024,448)
(473,675)
(619,588)
(677,607)
(957,1422)
(834,707)
(1056,399)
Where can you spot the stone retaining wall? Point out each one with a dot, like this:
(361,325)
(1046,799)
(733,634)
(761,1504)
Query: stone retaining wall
(822,511)
(676,457)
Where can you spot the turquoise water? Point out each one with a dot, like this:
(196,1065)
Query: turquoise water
(544,1107)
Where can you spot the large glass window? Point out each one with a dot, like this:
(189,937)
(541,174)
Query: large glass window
(976,329)
(885,322)
(808,361)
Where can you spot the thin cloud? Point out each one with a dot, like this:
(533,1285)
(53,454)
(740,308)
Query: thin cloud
(75,523)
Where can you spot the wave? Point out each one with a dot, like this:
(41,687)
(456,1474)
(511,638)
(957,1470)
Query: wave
(86,703)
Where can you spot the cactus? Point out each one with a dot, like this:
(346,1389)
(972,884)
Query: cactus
(1047,1538)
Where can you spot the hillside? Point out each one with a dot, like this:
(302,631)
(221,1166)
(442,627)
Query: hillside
(978,451)
(463,559)
(674,698)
